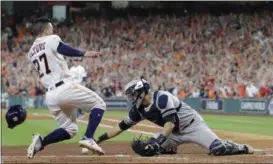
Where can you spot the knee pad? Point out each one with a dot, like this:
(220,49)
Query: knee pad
(218,147)
(72,129)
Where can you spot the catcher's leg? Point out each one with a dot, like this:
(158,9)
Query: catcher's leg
(202,135)
(205,137)
(219,147)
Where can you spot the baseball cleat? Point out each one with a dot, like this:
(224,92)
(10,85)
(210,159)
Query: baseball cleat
(35,146)
(249,149)
(91,145)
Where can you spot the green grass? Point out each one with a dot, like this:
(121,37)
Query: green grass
(21,135)
(118,114)
(245,124)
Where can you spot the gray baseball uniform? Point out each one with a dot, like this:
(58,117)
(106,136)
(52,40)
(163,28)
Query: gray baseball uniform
(189,125)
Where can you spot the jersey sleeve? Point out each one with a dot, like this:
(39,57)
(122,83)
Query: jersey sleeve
(54,42)
(133,117)
(165,105)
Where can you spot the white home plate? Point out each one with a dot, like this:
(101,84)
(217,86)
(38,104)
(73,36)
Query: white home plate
(121,155)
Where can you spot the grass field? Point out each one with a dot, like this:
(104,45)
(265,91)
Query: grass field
(21,135)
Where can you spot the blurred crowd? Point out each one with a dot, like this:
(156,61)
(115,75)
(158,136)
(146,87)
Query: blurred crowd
(192,56)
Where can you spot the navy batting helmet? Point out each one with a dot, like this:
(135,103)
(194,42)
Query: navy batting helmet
(15,115)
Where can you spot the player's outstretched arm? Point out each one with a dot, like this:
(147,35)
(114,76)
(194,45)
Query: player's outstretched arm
(122,126)
(67,50)
(92,54)
(110,134)
(168,128)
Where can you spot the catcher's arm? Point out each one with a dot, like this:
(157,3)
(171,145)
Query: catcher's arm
(166,106)
(110,134)
(122,126)
(168,128)
(129,121)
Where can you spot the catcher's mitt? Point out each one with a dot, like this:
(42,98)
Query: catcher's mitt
(144,147)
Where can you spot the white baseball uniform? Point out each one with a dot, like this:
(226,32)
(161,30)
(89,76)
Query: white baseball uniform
(64,94)
(78,72)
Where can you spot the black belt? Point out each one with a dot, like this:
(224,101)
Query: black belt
(57,84)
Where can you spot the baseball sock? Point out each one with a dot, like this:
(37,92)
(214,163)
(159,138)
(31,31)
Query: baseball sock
(56,136)
(94,120)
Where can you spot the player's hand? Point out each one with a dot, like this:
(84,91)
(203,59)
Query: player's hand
(92,54)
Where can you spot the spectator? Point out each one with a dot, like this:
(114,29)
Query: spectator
(251,90)
(218,53)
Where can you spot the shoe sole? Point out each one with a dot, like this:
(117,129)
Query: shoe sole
(30,150)
(91,148)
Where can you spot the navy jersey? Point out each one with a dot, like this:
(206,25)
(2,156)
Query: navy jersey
(163,105)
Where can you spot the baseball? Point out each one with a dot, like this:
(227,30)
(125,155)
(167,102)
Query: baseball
(85,151)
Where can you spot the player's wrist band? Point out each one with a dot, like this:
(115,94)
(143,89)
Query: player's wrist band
(103,137)
(161,139)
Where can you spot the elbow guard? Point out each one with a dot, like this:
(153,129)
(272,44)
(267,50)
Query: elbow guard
(123,126)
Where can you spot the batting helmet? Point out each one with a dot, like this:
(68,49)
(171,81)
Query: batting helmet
(15,115)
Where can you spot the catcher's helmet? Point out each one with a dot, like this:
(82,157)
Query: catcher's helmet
(136,89)
(15,115)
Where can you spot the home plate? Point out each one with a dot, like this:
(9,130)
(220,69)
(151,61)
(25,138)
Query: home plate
(121,155)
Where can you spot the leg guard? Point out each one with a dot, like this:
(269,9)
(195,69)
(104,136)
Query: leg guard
(219,148)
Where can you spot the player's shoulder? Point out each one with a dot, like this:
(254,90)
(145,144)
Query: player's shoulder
(53,38)
(159,94)
(161,99)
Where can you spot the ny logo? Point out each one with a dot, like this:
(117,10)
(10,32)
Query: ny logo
(147,109)
(15,119)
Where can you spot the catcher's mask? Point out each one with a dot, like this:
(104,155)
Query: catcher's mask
(15,115)
(136,90)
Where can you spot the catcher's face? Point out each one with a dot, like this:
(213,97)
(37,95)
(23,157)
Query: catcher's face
(131,96)
(135,98)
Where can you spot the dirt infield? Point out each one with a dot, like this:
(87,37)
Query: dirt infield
(120,152)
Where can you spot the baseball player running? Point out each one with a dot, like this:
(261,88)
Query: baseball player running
(63,93)
(181,124)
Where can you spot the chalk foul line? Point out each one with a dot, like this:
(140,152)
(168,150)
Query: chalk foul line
(104,125)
